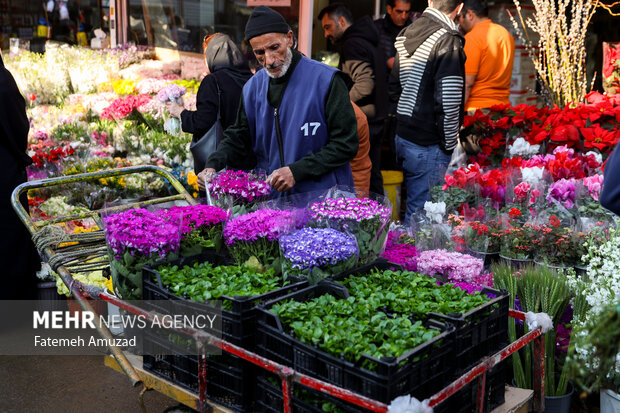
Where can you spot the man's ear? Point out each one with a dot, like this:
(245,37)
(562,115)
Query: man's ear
(342,22)
(289,38)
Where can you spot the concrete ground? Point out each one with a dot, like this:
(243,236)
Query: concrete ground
(67,384)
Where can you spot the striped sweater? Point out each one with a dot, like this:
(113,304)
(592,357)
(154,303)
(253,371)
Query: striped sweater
(430,77)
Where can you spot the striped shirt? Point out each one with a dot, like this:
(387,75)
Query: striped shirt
(412,69)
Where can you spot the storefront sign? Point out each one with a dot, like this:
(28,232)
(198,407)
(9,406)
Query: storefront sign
(270,3)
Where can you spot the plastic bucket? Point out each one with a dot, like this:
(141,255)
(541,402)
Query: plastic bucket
(610,401)
(392,181)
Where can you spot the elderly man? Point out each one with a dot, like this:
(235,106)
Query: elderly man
(294,114)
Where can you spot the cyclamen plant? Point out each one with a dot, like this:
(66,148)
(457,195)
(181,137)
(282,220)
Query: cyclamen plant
(135,238)
(367,219)
(402,254)
(256,235)
(316,253)
(244,187)
(201,227)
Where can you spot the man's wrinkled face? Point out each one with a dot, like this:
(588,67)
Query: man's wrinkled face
(399,13)
(271,51)
(332,28)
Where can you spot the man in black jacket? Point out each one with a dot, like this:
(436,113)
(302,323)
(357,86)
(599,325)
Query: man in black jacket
(363,61)
(429,76)
(395,20)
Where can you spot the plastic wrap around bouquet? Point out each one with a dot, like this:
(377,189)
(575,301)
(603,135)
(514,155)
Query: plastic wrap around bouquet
(135,238)
(172,93)
(317,253)
(201,227)
(368,219)
(243,188)
(252,239)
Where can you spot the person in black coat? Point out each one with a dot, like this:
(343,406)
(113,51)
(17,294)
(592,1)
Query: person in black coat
(227,69)
(610,194)
(18,257)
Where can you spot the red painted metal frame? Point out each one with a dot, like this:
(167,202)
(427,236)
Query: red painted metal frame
(289,376)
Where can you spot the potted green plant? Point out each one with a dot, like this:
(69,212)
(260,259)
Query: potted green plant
(539,289)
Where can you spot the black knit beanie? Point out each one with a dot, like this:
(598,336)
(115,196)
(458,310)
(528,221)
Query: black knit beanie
(265,20)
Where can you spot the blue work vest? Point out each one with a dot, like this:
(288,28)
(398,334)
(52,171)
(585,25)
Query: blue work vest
(302,122)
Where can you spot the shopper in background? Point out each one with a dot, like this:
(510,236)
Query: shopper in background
(429,77)
(610,194)
(294,114)
(363,61)
(19,258)
(490,51)
(220,90)
(396,19)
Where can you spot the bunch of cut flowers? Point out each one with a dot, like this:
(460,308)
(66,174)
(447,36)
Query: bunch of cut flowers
(201,227)
(135,238)
(172,93)
(316,253)
(243,187)
(450,266)
(252,238)
(399,250)
(366,218)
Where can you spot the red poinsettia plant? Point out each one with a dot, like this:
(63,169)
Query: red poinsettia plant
(611,67)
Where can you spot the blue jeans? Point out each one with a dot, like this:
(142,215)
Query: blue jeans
(423,166)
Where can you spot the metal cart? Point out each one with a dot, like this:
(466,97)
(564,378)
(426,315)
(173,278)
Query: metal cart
(131,365)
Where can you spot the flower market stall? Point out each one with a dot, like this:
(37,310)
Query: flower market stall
(342,309)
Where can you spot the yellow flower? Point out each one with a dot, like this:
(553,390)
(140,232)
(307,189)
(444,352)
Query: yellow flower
(192,180)
(108,285)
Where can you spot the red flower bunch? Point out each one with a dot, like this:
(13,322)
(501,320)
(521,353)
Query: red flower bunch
(515,212)
(123,106)
(48,152)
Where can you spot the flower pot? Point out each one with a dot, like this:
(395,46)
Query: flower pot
(49,299)
(515,263)
(488,257)
(559,404)
(553,267)
(610,401)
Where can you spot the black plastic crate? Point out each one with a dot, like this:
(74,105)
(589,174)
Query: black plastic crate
(421,372)
(237,325)
(480,332)
(464,401)
(230,379)
(269,398)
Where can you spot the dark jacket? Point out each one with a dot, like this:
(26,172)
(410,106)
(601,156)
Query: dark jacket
(362,60)
(610,195)
(17,253)
(387,34)
(429,78)
(341,125)
(229,70)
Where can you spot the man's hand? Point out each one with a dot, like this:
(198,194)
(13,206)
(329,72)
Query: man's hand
(205,176)
(281,179)
(174,109)
(390,63)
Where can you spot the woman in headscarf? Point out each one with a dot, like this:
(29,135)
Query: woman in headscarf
(18,256)
(227,69)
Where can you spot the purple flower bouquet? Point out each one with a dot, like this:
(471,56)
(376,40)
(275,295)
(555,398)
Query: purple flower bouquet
(201,227)
(135,238)
(450,266)
(316,253)
(255,235)
(367,219)
(242,187)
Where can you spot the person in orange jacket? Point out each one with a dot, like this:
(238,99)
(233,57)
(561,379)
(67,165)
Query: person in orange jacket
(361,164)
